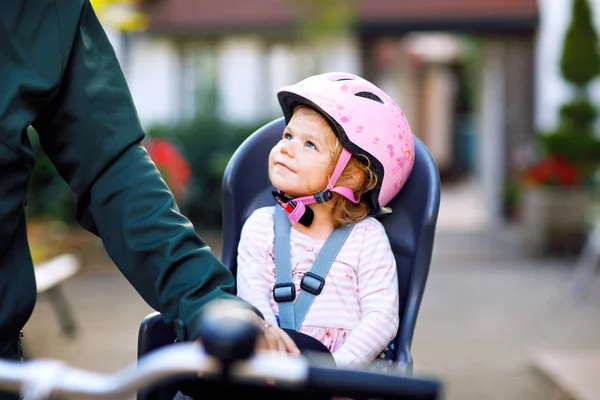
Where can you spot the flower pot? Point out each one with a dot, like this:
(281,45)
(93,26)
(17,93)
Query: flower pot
(554,219)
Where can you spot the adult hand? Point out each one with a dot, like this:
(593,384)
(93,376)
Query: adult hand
(269,337)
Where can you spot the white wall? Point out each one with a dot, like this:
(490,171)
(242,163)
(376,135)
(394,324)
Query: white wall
(343,56)
(491,106)
(251,70)
(154,76)
(438,96)
(249,73)
(152,68)
(153,72)
(288,64)
(281,68)
(551,89)
(240,79)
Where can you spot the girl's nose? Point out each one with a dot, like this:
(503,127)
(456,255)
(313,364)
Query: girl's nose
(288,148)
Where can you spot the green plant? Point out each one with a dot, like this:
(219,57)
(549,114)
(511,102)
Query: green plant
(573,145)
(512,194)
(49,196)
(578,116)
(323,19)
(207,143)
(580,60)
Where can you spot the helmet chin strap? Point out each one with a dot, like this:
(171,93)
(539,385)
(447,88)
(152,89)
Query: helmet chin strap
(297,209)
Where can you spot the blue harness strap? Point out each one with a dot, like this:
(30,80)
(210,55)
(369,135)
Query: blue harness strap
(292,311)
(284,291)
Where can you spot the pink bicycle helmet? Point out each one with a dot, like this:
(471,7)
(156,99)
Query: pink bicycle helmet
(366,121)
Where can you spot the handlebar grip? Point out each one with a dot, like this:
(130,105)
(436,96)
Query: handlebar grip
(227,331)
(357,384)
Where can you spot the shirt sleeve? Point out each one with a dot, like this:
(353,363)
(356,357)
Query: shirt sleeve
(253,283)
(379,302)
(90,130)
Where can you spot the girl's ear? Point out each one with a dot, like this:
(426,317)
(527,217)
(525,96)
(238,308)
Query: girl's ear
(357,178)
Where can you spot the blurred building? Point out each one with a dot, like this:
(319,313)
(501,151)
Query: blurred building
(475,78)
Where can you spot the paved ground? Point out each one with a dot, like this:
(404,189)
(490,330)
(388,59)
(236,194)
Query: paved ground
(488,310)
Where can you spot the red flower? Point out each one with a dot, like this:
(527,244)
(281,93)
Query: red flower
(174,169)
(552,170)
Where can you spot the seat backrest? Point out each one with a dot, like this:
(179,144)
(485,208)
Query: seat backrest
(410,227)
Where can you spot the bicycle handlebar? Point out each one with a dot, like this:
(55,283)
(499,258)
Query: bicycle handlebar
(42,377)
(38,379)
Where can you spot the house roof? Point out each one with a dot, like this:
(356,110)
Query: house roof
(196,16)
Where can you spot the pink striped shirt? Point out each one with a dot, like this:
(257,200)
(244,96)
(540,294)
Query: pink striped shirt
(356,314)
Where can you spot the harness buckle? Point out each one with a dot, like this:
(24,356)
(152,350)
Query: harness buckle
(312,283)
(324,196)
(284,292)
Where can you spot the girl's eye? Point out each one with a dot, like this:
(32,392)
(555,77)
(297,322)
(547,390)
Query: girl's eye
(311,145)
(287,136)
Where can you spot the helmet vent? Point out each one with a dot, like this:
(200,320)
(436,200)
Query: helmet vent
(370,96)
(343,79)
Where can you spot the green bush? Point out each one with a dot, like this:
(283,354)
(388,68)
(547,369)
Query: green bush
(208,144)
(580,59)
(577,117)
(49,196)
(583,152)
(575,138)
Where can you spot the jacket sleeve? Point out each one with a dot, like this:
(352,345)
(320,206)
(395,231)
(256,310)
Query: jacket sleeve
(90,131)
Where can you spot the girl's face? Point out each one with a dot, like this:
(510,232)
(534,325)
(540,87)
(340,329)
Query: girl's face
(301,163)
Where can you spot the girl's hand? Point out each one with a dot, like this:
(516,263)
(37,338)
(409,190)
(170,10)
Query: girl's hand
(273,338)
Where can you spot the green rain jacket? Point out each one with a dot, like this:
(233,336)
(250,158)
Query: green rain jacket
(59,74)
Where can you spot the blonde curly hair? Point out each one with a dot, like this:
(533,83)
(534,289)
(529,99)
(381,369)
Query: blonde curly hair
(357,175)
